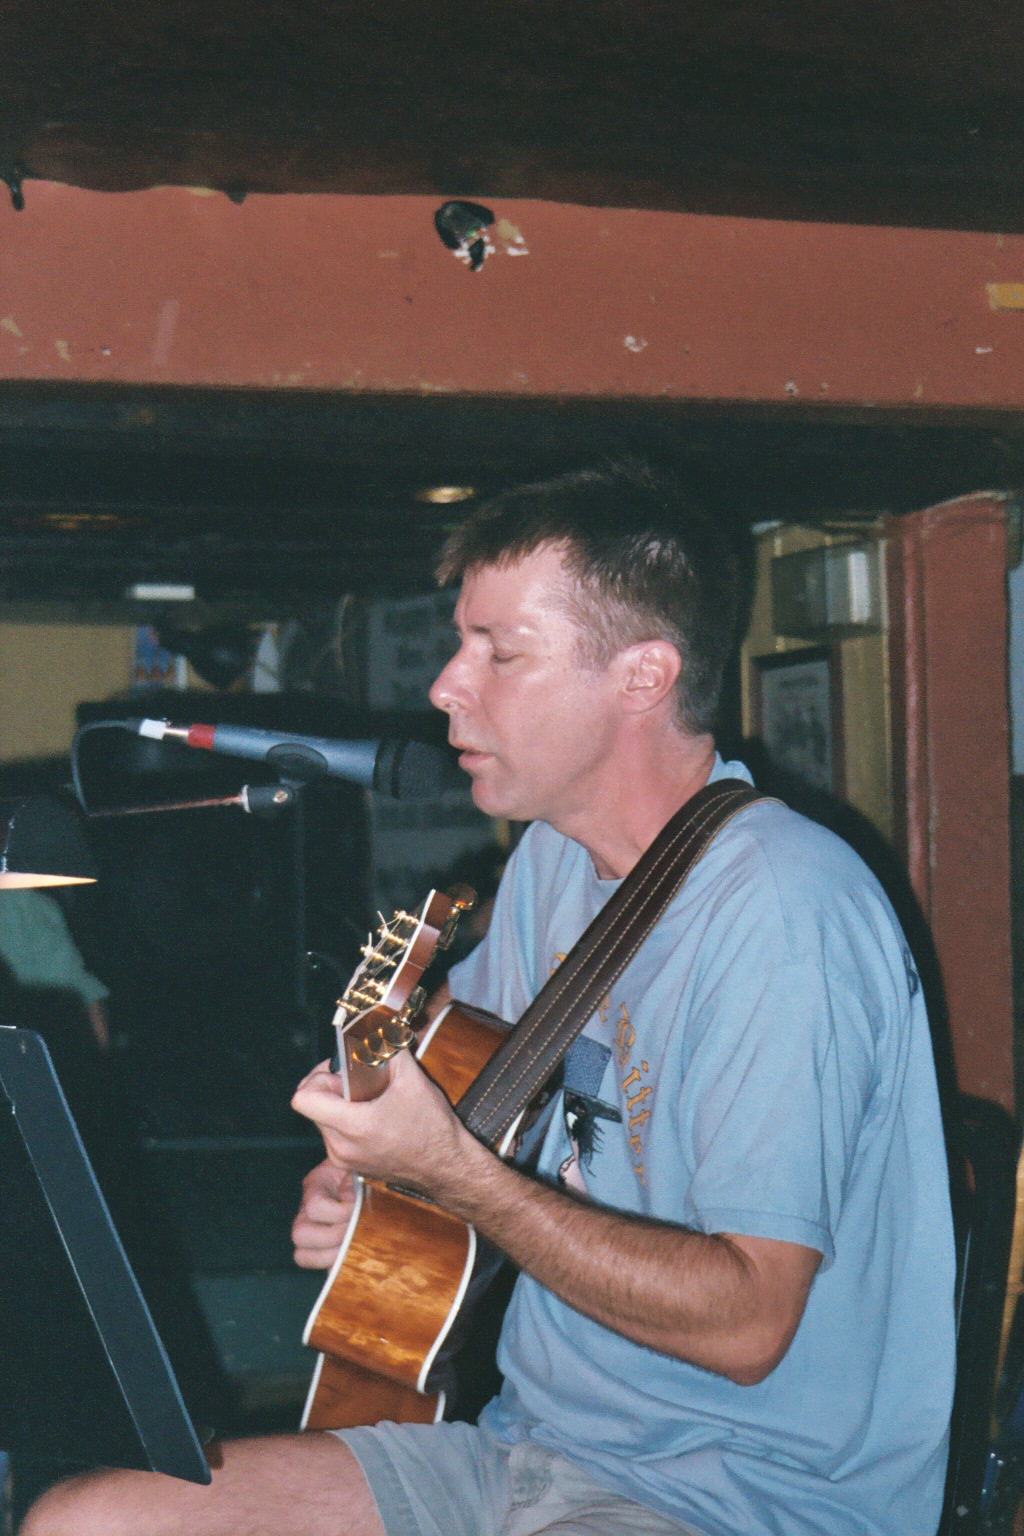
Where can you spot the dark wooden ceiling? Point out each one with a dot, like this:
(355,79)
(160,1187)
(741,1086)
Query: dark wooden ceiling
(880,111)
(904,112)
(272,501)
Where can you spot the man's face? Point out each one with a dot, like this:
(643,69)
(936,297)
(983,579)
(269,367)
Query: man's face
(534,727)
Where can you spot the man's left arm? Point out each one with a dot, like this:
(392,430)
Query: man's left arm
(728,1303)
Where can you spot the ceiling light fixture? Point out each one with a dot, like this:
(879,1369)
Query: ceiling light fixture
(161,592)
(446,495)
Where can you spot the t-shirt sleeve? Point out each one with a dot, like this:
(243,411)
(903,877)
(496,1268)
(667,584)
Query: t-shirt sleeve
(778,1081)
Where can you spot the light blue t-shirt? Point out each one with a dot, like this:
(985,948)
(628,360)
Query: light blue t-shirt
(764,1067)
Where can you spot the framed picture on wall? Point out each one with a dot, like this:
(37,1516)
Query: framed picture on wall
(797,708)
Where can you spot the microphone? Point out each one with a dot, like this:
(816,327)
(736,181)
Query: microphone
(405,770)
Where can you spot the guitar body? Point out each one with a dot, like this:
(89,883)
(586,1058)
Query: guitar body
(388,1318)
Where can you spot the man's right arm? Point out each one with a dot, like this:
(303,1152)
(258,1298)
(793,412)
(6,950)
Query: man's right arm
(727,1303)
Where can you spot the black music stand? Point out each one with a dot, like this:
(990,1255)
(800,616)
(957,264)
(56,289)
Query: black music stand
(84,1377)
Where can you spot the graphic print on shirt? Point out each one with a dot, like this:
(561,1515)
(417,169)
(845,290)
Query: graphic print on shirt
(585,1064)
(635,1089)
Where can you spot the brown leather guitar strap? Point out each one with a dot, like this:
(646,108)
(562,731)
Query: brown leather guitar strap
(524,1062)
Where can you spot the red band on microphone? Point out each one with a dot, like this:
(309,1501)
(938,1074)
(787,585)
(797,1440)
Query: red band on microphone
(201,736)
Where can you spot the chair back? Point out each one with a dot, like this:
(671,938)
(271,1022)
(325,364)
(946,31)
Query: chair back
(985,1144)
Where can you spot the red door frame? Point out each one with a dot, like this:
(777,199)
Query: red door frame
(948,658)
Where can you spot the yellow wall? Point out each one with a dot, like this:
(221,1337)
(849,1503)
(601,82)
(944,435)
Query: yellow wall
(45,671)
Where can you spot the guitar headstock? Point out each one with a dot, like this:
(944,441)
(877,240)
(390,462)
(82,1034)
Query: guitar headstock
(377,1011)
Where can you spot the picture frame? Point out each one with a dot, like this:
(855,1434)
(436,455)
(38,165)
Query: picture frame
(797,714)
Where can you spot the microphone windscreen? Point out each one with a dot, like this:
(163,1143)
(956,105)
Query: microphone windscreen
(415,770)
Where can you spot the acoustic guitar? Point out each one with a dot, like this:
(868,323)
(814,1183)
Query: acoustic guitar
(396,1302)
(389,1318)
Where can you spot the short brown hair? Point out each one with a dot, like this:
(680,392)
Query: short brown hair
(648,563)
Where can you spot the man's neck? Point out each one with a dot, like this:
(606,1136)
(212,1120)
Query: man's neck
(622,828)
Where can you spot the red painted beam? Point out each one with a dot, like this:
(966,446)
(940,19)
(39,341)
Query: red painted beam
(357,293)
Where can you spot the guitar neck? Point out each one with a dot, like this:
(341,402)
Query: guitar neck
(377,1011)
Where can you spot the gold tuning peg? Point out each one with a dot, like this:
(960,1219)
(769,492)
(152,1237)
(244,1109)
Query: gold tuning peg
(363,1053)
(463,899)
(396,1034)
(377,1048)
(413,1003)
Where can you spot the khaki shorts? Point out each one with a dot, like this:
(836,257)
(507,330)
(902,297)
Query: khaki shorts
(457,1480)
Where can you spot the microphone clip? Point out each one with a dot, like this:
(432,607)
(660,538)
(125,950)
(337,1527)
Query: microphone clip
(266,799)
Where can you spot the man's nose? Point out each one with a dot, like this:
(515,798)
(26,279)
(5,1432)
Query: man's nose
(445,689)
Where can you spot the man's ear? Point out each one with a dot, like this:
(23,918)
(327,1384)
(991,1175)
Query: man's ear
(649,674)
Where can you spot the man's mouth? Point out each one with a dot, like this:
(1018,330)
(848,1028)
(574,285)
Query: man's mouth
(470,757)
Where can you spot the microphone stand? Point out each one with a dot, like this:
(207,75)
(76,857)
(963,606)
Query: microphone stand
(255,799)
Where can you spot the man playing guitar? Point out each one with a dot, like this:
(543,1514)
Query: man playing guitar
(734,1312)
